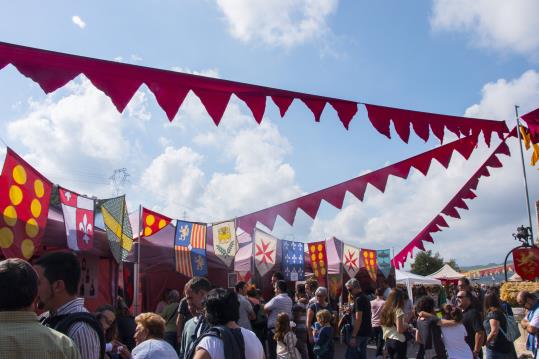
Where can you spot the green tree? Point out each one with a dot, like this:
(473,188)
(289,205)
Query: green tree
(453,264)
(426,263)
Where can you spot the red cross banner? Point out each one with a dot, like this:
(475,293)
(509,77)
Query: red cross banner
(265,251)
(319,263)
(78,219)
(350,259)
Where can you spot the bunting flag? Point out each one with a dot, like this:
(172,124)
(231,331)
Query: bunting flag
(532,120)
(319,263)
(334,195)
(118,227)
(24,204)
(293,260)
(457,201)
(527,262)
(370,263)
(350,260)
(383,258)
(225,242)
(153,222)
(190,249)
(381,116)
(265,251)
(525,135)
(78,219)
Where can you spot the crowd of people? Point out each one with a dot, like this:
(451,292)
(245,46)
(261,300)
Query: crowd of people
(205,322)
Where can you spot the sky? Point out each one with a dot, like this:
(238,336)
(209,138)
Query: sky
(465,58)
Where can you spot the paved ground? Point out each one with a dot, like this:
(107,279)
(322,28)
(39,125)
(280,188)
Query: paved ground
(340,349)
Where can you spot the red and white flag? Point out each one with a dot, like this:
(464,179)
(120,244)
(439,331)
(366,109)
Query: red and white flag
(78,218)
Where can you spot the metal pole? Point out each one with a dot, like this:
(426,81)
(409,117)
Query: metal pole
(524,173)
(137,264)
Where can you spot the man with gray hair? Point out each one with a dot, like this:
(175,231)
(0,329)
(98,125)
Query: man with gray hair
(21,334)
(531,321)
(361,322)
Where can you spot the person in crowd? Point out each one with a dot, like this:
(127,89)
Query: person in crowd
(260,324)
(285,338)
(454,334)
(21,335)
(506,307)
(530,322)
(125,324)
(163,301)
(170,314)
(476,296)
(275,277)
(311,285)
(183,316)
(428,333)
(149,339)
(345,323)
(323,335)
(196,290)
(246,308)
(420,292)
(280,303)
(222,310)
(498,347)
(106,317)
(299,313)
(384,285)
(471,318)
(376,309)
(361,322)
(393,325)
(59,275)
(321,295)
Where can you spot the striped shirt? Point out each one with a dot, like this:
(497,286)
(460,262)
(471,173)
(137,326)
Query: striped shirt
(85,338)
(279,303)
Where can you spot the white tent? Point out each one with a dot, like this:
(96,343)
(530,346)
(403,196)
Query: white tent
(446,273)
(410,279)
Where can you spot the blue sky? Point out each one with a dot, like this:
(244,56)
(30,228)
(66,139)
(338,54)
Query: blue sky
(455,57)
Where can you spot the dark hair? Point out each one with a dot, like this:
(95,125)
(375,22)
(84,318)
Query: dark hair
(62,266)
(240,285)
(18,284)
(425,304)
(278,275)
(199,283)
(465,280)
(312,284)
(222,306)
(300,289)
(492,301)
(281,284)
(452,313)
(379,292)
(110,333)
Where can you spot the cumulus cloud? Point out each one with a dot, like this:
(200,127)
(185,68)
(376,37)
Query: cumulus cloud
(283,23)
(496,24)
(78,21)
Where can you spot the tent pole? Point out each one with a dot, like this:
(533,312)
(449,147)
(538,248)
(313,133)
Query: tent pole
(524,173)
(137,264)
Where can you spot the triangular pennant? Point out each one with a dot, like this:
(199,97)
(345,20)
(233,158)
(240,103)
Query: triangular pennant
(346,110)
(169,96)
(215,102)
(315,105)
(153,222)
(120,90)
(256,103)
(49,78)
(283,103)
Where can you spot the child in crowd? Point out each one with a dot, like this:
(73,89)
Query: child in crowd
(323,335)
(285,338)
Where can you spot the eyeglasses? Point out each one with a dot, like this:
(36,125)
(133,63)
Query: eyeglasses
(461,296)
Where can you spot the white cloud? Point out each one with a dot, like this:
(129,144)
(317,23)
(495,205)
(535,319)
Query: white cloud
(496,24)
(78,21)
(279,22)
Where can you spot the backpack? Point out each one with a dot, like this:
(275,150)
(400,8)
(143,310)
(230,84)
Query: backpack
(234,346)
(63,322)
(512,333)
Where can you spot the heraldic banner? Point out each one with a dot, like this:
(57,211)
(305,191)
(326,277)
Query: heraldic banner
(350,260)
(293,260)
(369,261)
(225,243)
(153,222)
(384,261)
(118,227)
(265,251)
(78,219)
(190,249)
(24,203)
(317,252)
(526,262)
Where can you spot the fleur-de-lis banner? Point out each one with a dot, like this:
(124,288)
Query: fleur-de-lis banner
(384,261)
(265,251)
(293,260)
(78,219)
(225,243)
(350,260)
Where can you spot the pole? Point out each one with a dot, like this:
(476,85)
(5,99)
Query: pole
(137,264)
(524,172)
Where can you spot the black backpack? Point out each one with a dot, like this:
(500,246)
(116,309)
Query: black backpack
(233,343)
(63,322)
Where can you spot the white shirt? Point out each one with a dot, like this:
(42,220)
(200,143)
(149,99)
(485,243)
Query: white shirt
(245,309)
(154,349)
(456,346)
(214,346)
(279,303)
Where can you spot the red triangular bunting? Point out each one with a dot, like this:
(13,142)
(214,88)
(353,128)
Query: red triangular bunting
(419,245)
(379,117)
(451,211)
(120,90)
(267,217)
(444,156)
(438,130)
(215,102)
(421,129)
(247,223)
(310,205)
(503,149)
(357,188)
(283,103)
(335,195)
(440,221)
(169,96)
(3,63)
(48,78)
(346,111)
(428,238)
(403,129)
(256,103)
(493,162)
(378,179)
(287,211)
(315,105)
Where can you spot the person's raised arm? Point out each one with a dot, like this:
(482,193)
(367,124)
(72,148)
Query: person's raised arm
(310,319)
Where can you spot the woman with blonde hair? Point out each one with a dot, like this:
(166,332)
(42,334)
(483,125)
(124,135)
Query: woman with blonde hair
(285,338)
(393,325)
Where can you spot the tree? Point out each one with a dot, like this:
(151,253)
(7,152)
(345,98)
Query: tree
(453,264)
(426,263)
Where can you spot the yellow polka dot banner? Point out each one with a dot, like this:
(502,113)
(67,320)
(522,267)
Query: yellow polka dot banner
(370,262)
(319,263)
(153,222)
(24,206)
